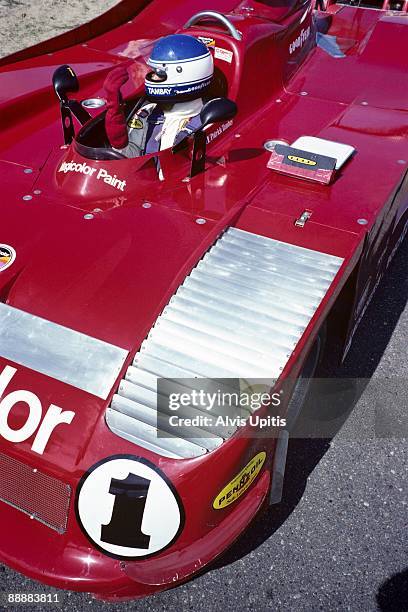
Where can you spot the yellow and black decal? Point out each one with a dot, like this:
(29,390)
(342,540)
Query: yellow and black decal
(135,123)
(302,160)
(242,481)
(305,159)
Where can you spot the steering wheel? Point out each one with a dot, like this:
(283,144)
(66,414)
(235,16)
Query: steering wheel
(218,17)
(97,153)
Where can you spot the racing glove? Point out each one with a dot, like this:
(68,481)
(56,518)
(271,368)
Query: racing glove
(115,121)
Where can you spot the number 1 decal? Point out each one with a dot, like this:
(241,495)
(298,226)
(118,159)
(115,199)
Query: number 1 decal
(125,527)
(128,508)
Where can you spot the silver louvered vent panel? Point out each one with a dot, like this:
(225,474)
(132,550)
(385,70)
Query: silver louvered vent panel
(239,314)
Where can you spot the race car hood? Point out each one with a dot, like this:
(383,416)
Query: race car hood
(103,277)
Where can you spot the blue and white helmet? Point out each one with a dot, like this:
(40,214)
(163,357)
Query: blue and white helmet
(182,66)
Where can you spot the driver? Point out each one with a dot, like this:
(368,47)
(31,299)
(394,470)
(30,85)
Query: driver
(182,70)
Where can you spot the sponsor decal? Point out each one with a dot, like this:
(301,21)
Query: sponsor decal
(209,42)
(128,508)
(220,130)
(99,173)
(7,256)
(300,40)
(159,91)
(34,423)
(302,160)
(237,487)
(177,89)
(223,54)
(191,88)
(314,167)
(184,123)
(135,123)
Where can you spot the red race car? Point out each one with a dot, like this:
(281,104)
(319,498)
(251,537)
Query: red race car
(134,286)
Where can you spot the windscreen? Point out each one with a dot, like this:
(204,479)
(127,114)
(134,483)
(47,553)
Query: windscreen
(139,52)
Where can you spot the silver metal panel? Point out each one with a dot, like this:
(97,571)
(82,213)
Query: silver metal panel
(69,356)
(222,327)
(134,391)
(280,332)
(235,348)
(245,283)
(239,314)
(161,368)
(247,299)
(275,274)
(292,251)
(142,434)
(148,415)
(204,361)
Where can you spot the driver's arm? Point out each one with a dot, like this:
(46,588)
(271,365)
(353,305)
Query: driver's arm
(115,120)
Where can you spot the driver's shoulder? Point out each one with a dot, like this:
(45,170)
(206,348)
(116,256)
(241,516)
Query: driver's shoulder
(138,119)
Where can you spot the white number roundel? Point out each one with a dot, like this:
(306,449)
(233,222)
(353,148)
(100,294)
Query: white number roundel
(128,508)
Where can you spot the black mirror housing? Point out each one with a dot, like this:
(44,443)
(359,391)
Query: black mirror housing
(65,81)
(218,109)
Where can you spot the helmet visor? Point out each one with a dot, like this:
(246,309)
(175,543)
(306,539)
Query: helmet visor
(157,75)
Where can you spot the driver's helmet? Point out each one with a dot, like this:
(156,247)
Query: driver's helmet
(182,69)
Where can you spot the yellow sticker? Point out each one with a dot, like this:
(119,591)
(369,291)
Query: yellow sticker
(302,160)
(183,124)
(237,487)
(135,123)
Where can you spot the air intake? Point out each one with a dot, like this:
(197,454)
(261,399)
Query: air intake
(42,497)
(239,314)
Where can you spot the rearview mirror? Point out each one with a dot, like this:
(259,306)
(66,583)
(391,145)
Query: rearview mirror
(218,109)
(65,81)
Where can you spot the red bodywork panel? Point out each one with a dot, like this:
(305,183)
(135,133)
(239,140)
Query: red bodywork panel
(111,275)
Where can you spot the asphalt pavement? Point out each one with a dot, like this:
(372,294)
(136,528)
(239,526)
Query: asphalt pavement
(338,541)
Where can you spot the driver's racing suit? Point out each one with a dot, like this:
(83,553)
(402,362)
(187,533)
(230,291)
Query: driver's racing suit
(153,127)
